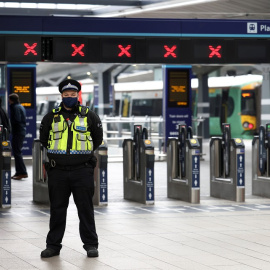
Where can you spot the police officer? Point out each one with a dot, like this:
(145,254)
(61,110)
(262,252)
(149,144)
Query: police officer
(71,133)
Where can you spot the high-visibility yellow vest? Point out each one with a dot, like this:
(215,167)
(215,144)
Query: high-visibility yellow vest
(59,134)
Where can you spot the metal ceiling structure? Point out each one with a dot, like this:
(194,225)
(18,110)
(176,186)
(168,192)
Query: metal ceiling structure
(50,74)
(178,9)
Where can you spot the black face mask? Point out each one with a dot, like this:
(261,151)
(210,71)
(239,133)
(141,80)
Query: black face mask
(70,102)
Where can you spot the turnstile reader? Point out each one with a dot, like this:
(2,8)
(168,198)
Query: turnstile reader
(5,168)
(100,176)
(261,162)
(40,178)
(227,166)
(138,165)
(183,166)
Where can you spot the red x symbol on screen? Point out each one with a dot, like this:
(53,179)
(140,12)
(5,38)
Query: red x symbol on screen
(30,49)
(124,50)
(77,50)
(170,51)
(214,51)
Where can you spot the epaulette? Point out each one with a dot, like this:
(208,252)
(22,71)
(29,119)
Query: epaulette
(83,110)
(56,110)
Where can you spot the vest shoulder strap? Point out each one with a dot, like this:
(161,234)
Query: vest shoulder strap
(83,110)
(56,110)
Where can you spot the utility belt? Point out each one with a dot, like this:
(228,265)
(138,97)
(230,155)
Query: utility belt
(53,164)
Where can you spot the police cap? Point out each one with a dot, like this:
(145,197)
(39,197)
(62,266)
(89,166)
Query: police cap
(69,85)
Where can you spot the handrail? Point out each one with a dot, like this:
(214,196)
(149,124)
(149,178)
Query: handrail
(119,128)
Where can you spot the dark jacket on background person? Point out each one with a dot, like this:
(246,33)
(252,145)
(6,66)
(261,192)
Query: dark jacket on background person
(18,119)
(4,120)
(95,127)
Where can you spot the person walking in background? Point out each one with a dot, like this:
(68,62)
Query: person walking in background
(18,126)
(4,120)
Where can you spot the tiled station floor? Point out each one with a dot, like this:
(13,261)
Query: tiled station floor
(171,234)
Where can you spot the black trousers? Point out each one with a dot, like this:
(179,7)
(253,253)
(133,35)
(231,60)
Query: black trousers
(17,144)
(80,183)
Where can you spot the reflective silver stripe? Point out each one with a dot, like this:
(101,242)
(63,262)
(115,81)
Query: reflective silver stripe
(56,142)
(55,127)
(81,120)
(89,138)
(92,147)
(83,142)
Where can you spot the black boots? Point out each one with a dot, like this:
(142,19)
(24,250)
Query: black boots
(92,252)
(48,252)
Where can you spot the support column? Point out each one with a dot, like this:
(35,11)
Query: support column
(265,101)
(203,106)
(104,88)
(104,81)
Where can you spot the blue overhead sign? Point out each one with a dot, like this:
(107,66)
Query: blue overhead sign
(78,26)
(225,28)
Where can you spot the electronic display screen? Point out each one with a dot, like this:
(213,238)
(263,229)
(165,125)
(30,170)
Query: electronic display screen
(252,50)
(178,87)
(70,50)
(134,50)
(118,50)
(209,51)
(165,50)
(23,49)
(22,84)
(74,49)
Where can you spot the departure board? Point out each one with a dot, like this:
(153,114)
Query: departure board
(178,88)
(21,82)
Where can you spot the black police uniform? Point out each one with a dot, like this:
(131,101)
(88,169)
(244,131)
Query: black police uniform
(71,174)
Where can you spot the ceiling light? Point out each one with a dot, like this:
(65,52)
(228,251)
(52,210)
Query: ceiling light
(12,5)
(46,6)
(154,7)
(28,5)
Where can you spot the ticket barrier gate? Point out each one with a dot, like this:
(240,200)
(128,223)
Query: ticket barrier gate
(40,178)
(261,162)
(227,167)
(183,166)
(138,165)
(100,176)
(5,169)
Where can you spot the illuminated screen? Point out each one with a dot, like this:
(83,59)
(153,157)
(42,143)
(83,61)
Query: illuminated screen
(209,51)
(165,50)
(70,50)
(178,88)
(25,49)
(22,84)
(118,50)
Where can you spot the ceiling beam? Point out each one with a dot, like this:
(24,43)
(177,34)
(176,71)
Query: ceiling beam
(43,12)
(127,3)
